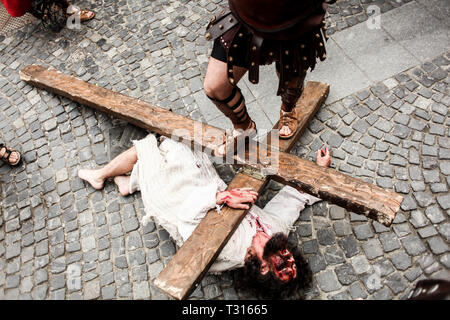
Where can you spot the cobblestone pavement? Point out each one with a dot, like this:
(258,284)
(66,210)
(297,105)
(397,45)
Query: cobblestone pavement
(344,14)
(61,239)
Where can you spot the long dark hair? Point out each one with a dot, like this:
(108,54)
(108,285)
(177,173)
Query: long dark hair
(268,286)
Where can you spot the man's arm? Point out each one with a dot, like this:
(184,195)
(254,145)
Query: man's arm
(240,198)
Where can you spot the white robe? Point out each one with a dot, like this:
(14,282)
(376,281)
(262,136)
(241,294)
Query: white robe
(179,187)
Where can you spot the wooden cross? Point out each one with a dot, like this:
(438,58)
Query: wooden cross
(193,259)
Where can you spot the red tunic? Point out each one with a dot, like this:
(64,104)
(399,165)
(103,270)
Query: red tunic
(17,8)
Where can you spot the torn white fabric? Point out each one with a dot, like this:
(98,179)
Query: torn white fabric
(179,187)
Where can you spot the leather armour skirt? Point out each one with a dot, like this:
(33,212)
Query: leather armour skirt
(238,46)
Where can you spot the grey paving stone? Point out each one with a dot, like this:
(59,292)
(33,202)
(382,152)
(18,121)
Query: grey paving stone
(346,274)
(360,264)
(92,290)
(310,246)
(372,249)
(356,291)
(389,241)
(316,263)
(349,245)
(434,213)
(437,245)
(327,281)
(333,255)
(372,282)
(326,236)
(342,228)
(401,260)
(444,230)
(337,212)
(413,245)
(40,292)
(382,294)
(444,201)
(402,229)
(357,217)
(445,260)
(121,262)
(141,290)
(379,228)
(304,230)
(363,231)
(427,232)
(396,283)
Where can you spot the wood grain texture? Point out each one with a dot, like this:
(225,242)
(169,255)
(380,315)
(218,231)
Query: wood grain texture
(182,273)
(351,193)
(135,111)
(198,253)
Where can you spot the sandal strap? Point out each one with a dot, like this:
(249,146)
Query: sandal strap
(232,139)
(288,117)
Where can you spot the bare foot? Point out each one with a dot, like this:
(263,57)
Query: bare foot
(93,177)
(123,182)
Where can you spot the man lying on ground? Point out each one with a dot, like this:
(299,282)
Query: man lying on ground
(179,186)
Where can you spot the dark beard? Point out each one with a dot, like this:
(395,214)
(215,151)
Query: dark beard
(278,242)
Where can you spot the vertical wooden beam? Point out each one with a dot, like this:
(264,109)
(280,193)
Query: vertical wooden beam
(181,275)
(326,183)
(187,268)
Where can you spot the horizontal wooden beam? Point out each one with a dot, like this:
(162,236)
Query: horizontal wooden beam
(198,253)
(343,190)
(135,111)
(328,184)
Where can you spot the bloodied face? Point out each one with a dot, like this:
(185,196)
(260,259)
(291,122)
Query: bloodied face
(283,265)
(279,258)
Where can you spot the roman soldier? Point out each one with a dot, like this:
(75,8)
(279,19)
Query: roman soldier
(251,33)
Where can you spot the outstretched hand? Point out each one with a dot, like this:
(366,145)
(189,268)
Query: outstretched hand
(323,157)
(238,198)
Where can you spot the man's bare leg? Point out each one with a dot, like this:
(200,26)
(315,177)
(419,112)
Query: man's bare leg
(119,166)
(226,96)
(216,83)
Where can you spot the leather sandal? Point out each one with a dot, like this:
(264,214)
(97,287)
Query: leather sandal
(236,139)
(5,154)
(288,119)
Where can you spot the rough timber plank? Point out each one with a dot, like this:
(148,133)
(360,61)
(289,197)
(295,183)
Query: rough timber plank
(328,184)
(353,194)
(193,259)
